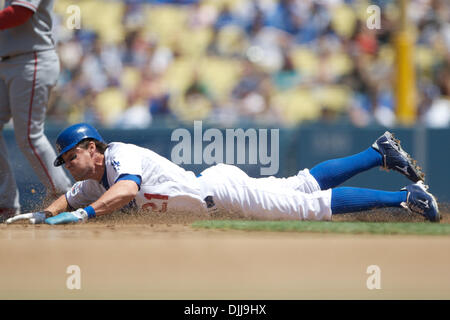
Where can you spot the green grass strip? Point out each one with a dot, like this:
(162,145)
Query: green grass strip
(418,228)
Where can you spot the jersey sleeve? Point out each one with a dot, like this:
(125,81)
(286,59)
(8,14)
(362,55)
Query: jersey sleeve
(131,177)
(125,164)
(30,4)
(82,194)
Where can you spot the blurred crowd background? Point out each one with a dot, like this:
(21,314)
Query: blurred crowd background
(138,63)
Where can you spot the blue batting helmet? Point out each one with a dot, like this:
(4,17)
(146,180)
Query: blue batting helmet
(73,135)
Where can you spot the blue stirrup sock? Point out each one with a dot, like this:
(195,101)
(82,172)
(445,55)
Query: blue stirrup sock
(332,173)
(348,199)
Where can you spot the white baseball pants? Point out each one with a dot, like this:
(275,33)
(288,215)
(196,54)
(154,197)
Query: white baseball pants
(298,197)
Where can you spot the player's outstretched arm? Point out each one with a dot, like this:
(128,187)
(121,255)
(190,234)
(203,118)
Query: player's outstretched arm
(59,205)
(119,195)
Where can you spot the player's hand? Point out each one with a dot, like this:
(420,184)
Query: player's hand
(32,217)
(77,216)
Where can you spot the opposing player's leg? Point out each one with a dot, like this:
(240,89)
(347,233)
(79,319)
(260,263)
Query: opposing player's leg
(29,93)
(9,200)
(414,197)
(385,152)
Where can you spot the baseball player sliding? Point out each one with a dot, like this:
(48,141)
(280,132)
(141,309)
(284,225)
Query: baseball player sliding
(115,176)
(29,68)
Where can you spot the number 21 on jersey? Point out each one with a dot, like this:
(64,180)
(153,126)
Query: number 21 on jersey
(153,205)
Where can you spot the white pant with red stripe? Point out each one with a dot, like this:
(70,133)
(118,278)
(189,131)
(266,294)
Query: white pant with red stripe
(25,84)
(297,197)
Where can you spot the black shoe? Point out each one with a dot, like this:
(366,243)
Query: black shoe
(420,201)
(395,158)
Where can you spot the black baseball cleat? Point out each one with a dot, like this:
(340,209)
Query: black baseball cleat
(420,201)
(395,158)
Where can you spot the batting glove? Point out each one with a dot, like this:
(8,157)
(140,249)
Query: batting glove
(68,217)
(33,217)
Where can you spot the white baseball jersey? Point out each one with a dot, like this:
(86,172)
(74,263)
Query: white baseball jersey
(163,184)
(33,35)
(166,186)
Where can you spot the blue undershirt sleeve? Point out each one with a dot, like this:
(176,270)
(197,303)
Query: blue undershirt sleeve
(131,177)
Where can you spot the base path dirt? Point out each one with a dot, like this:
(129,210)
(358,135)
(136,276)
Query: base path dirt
(174,261)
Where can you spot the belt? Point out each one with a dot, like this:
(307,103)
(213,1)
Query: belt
(4,58)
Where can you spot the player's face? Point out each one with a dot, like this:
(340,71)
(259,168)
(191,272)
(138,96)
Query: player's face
(79,163)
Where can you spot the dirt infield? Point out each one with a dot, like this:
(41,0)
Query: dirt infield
(142,257)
